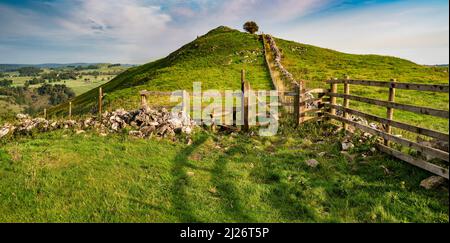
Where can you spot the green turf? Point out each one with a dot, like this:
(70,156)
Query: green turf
(62,177)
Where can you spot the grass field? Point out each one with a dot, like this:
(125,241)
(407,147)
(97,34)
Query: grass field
(62,177)
(316,65)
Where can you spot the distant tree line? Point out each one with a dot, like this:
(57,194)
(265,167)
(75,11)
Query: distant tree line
(29,71)
(114,65)
(59,93)
(55,94)
(80,68)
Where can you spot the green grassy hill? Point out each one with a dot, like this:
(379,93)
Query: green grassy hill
(215,59)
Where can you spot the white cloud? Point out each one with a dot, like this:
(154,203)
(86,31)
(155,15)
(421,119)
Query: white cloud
(417,34)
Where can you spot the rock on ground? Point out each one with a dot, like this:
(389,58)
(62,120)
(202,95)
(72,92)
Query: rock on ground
(432,182)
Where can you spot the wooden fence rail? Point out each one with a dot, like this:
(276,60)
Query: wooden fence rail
(444,88)
(389,122)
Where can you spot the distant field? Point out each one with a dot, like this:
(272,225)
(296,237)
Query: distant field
(79,85)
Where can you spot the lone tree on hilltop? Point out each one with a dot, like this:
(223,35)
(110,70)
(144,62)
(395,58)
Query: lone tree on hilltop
(251,27)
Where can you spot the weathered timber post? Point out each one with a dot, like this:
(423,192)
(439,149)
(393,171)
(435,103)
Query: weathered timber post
(245,101)
(143,95)
(333,98)
(390,111)
(346,101)
(70,110)
(297,98)
(45,114)
(100,101)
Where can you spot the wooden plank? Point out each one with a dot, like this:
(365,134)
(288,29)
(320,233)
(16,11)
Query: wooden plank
(390,111)
(297,111)
(437,170)
(100,101)
(346,101)
(410,108)
(312,118)
(333,90)
(444,88)
(401,125)
(421,148)
(70,110)
(317,91)
(245,88)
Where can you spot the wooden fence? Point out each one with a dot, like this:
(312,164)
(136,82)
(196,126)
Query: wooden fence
(327,107)
(389,121)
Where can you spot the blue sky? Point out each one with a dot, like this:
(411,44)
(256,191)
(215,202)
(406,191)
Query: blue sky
(138,31)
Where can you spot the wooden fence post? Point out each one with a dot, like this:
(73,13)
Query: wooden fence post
(346,101)
(45,114)
(100,101)
(70,110)
(390,111)
(297,111)
(144,103)
(333,98)
(245,101)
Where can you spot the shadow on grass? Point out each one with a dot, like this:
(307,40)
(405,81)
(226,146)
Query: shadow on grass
(180,201)
(227,190)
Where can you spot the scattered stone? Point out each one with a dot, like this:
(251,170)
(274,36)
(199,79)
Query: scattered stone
(190,174)
(321,154)
(347,146)
(5,130)
(432,182)
(312,163)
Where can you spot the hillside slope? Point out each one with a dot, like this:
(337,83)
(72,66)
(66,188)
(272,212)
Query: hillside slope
(315,65)
(214,59)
